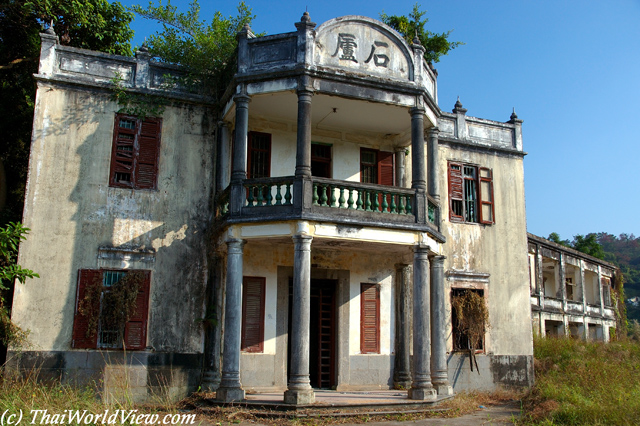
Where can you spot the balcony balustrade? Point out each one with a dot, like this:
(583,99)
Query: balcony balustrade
(330,198)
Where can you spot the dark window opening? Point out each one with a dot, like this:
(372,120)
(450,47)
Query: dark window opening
(321,160)
(377,167)
(258,155)
(470,194)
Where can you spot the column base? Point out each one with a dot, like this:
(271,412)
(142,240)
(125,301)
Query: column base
(428,394)
(402,383)
(210,381)
(443,389)
(230,394)
(299,397)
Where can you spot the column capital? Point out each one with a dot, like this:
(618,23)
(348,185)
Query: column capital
(417,111)
(302,240)
(438,261)
(434,131)
(235,245)
(421,249)
(242,97)
(401,265)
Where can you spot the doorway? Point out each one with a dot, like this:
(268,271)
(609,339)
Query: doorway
(322,336)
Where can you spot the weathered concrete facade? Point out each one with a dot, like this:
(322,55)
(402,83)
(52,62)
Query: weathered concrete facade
(312,217)
(572,294)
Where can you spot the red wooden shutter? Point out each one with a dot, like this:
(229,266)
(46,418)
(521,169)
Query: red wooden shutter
(385,168)
(125,131)
(485,194)
(80,340)
(369,319)
(456,197)
(253,290)
(148,150)
(135,332)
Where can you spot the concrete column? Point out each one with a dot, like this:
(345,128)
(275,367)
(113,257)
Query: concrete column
(600,294)
(302,187)
(223,157)
(418,175)
(402,362)
(563,294)
(584,302)
(299,390)
(239,170)
(400,169)
(213,329)
(421,387)
(303,145)
(230,389)
(540,280)
(439,370)
(239,165)
(432,164)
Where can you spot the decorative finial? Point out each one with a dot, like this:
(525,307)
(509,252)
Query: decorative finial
(458,107)
(50,30)
(416,40)
(144,48)
(305,17)
(514,117)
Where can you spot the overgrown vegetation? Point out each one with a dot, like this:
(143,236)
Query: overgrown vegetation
(10,238)
(472,320)
(584,383)
(204,50)
(411,26)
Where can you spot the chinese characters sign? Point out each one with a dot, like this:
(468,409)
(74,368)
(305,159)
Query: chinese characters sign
(347,46)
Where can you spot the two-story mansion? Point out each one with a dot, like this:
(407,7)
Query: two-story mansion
(309,233)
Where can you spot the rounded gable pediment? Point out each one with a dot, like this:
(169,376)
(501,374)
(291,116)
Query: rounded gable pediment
(363,45)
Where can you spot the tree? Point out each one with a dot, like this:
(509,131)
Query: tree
(588,245)
(89,24)
(436,45)
(206,51)
(556,239)
(10,237)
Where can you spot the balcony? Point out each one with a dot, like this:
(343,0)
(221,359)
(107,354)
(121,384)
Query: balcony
(330,200)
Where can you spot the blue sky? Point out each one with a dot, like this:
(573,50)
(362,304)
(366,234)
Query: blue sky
(571,70)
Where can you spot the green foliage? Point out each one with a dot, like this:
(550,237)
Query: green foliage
(436,45)
(205,50)
(556,239)
(584,383)
(88,24)
(137,104)
(588,244)
(10,237)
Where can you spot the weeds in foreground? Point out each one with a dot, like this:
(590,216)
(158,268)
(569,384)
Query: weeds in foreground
(584,383)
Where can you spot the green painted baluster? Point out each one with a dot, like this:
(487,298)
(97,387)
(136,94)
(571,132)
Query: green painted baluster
(375,203)
(341,200)
(278,195)
(269,196)
(287,196)
(323,195)
(250,198)
(402,199)
(394,206)
(367,201)
(333,196)
(385,204)
(359,200)
(409,211)
(350,200)
(315,194)
(260,198)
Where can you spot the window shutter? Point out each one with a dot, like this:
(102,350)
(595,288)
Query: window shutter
(123,151)
(486,196)
(456,197)
(135,332)
(86,278)
(385,168)
(369,319)
(253,292)
(148,150)
(258,155)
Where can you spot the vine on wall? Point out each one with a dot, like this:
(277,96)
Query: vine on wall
(110,308)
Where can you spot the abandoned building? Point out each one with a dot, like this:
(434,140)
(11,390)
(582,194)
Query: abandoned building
(311,233)
(572,293)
